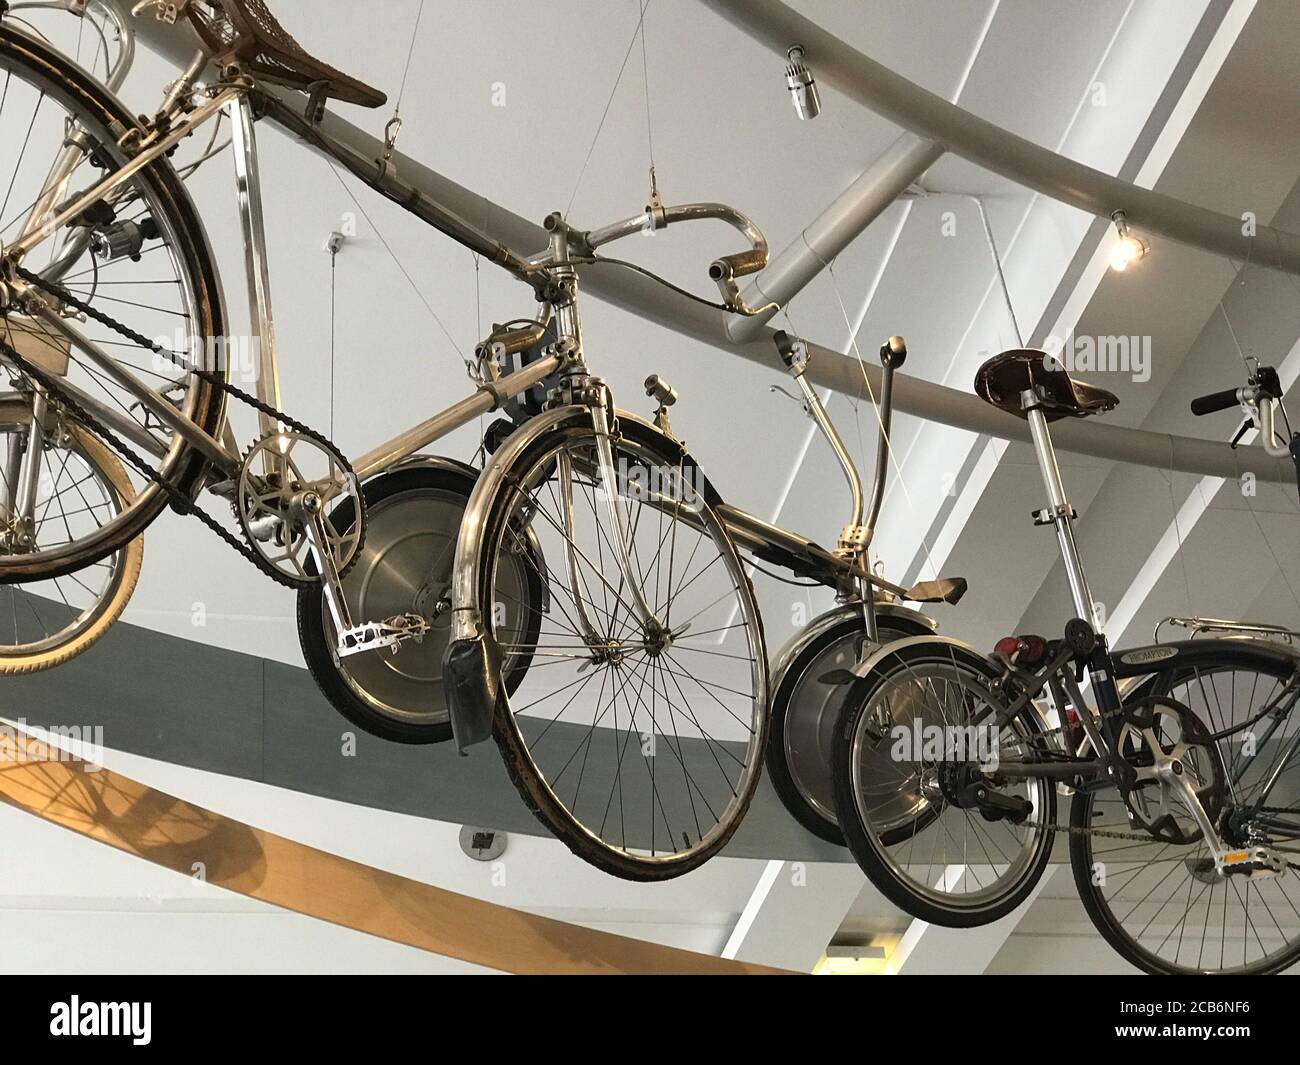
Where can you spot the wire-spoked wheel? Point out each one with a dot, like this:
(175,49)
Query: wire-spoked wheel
(638,746)
(1163,905)
(153,274)
(916,726)
(46,622)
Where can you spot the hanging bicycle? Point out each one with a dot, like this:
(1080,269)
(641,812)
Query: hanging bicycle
(1184,824)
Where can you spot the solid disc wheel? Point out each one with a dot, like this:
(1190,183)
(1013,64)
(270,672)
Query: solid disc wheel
(638,744)
(895,737)
(1162,906)
(805,710)
(45,623)
(169,292)
(413,519)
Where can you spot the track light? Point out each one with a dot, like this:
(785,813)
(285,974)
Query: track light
(803,89)
(1129,249)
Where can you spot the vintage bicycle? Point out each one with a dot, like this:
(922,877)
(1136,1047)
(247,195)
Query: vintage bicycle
(586,586)
(1181,763)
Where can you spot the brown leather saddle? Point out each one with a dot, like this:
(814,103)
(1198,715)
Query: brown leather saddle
(245,32)
(1002,379)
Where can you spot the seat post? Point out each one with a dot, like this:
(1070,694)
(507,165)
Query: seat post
(249,187)
(1059,512)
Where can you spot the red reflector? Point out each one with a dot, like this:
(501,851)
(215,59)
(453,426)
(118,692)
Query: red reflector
(1008,645)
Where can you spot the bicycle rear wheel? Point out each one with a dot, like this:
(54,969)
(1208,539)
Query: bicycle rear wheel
(903,727)
(1163,906)
(142,260)
(640,750)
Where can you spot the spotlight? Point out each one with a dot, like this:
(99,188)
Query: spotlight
(803,89)
(1129,249)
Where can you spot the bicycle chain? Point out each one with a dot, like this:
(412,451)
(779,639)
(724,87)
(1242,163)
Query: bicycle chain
(180,501)
(1072,830)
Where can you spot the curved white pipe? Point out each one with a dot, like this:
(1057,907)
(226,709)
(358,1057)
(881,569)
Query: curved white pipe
(906,104)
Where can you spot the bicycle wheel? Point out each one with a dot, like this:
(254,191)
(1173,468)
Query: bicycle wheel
(142,259)
(47,622)
(413,517)
(639,749)
(1163,906)
(925,703)
(805,710)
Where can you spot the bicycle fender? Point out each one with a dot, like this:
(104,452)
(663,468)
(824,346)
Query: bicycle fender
(471,677)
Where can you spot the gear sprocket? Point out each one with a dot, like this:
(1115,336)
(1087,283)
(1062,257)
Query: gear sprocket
(287,481)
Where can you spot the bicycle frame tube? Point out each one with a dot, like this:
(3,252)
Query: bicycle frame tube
(185,125)
(248,187)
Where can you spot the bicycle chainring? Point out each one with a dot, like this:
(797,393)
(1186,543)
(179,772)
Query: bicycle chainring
(1156,729)
(284,478)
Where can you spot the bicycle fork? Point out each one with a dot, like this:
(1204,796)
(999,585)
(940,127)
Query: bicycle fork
(601,416)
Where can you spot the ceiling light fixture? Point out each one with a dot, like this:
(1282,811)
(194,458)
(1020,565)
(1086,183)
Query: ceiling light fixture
(1129,249)
(802,86)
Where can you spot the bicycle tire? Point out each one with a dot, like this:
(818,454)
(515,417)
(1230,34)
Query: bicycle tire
(866,845)
(815,813)
(185,466)
(13,660)
(1193,662)
(424,718)
(526,776)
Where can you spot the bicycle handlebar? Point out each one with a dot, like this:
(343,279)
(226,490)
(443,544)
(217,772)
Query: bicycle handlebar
(723,270)
(735,265)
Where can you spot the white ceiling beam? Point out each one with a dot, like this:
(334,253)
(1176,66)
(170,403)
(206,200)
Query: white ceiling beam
(793,912)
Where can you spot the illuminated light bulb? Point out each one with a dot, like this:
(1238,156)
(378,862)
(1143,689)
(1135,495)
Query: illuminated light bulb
(1128,249)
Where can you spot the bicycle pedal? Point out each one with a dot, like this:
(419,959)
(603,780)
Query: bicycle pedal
(390,633)
(1252,862)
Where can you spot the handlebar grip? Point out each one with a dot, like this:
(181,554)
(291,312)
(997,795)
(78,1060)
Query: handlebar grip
(738,264)
(1215,401)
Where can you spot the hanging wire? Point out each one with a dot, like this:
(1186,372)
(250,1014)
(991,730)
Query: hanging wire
(334,255)
(398,262)
(410,54)
(885,440)
(640,24)
(997,265)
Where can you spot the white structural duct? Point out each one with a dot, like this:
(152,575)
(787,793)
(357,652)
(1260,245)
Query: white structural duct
(902,164)
(415,182)
(929,116)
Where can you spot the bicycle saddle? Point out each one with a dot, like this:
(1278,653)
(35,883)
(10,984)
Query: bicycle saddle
(1001,380)
(244,31)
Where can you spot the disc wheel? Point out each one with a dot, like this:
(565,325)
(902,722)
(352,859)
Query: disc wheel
(639,749)
(805,710)
(413,519)
(170,293)
(955,868)
(1161,905)
(46,622)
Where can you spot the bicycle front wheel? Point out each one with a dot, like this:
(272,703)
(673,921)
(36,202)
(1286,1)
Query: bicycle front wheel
(44,623)
(916,728)
(637,744)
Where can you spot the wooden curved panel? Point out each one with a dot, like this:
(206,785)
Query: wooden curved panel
(170,832)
